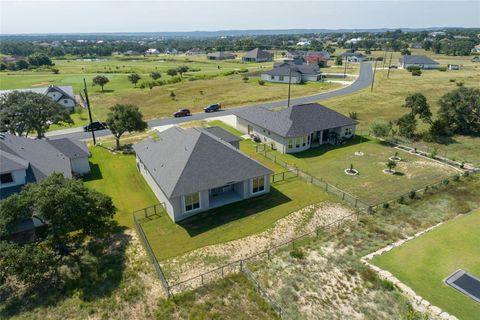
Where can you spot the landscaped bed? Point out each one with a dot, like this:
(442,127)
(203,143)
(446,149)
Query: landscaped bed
(424,263)
(371,184)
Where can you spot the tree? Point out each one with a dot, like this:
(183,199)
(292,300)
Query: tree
(405,52)
(182,69)
(460,110)
(380,128)
(24,111)
(418,105)
(125,118)
(338,61)
(155,75)
(172,72)
(407,125)
(21,64)
(133,78)
(390,165)
(39,59)
(100,81)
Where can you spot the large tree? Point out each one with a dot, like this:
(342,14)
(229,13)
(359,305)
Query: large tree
(134,78)
(460,110)
(172,72)
(100,81)
(182,69)
(24,111)
(125,118)
(418,105)
(407,125)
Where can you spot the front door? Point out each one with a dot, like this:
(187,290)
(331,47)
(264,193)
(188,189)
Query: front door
(325,135)
(250,130)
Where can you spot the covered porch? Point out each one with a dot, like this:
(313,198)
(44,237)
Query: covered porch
(225,194)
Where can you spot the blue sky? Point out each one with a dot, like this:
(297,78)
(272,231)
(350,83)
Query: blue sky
(156,16)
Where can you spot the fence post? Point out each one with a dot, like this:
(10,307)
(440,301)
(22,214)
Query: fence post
(201,277)
(145,210)
(326,186)
(283,175)
(222,271)
(241,265)
(343,195)
(356,200)
(155,209)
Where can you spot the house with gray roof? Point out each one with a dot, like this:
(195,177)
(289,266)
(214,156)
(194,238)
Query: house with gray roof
(298,128)
(194,170)
(293,73)
(257,55)
(220,55)
(24,160)
(422,62)
(353,57)
(61,94)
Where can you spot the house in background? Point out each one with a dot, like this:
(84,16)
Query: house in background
(220,55)
(298,73)
(25,160)
(476,49)
(416,45)
(297,128)
(353,57)
(132,53)
(309,57)
(257,55)
(62,94)
(194,170)
(453,67)
(423,62)
(152,51)
(194,51)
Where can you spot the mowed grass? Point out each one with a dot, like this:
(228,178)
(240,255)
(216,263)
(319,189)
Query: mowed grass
(425,262)
(371,184)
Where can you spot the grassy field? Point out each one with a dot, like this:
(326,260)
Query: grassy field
(371,184)
(425,262)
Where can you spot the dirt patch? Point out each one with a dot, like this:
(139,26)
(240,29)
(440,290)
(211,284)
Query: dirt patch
(42,84)
(210,257)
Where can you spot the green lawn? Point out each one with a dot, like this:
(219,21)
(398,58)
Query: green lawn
(425,262)
(371,185)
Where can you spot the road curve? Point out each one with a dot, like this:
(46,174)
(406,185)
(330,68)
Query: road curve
(363,81)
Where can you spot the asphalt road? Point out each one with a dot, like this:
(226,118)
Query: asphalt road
(363,81)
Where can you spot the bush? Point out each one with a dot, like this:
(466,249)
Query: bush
(445,181)
(413,68)
(401,200)
(297,253)
(443,69)
(245,78)
(386,205)
(243,70)
(416,73)
(412,194)
(451,80)
(261,82)
(353,115)
(434,152)
(466,174)
(459,84)
(380,128)
(456,178)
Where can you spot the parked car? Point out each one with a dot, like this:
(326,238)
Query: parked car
(393,67)
(94,126)
(182,113)
(213,107)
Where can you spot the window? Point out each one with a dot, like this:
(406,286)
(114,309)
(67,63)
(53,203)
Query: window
(280,78)
(272,77)
(192,201)
(65,101)
(304,141)
(290,143)
(297,142)
(308,140)
(6,178)
(348,131)
(258,184)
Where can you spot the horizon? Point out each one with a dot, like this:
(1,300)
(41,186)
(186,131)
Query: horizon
(117,16)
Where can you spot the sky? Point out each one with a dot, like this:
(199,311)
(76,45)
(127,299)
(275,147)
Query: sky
(89,16)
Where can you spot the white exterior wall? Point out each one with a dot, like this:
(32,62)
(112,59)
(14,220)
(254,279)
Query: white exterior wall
(269,78)
(249,183)
(266,136)
(294,148)
(422,66)
(18,177)
(80,165)
(67,102)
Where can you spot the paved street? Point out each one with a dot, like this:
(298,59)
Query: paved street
(363,81)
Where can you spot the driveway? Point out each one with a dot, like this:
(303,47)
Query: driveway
(363,81)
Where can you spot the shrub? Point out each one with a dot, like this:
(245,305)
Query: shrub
(451,80)
(380,128)
(412,194)
(434,152)
(172,95)
(459,84)
(417,73)
(442,69)
(55,71)
(456,178)
(243,70)
(387,285)
(401,200)
(353,115)
(445,181)
(245,78)
(297,253)
(386,205)
(261,82)
(466,174)
(413,68)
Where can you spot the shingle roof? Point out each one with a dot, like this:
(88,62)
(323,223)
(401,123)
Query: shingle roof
(221,54)
(296,121)
(43,157)
(186,161)
(284,69)
(10,162)
(65,90)
(258,53)
(416,59)
(353,54)
(223,134)
(73,149)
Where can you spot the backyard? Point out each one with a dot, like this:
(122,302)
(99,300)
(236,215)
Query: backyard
(371,184)
(425,262)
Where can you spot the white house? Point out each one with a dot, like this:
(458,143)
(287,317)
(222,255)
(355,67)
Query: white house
(194,170)
(297,128)
(152,51)
(61,94)
(292,72)
(422,62)
(353,57)
(24,160)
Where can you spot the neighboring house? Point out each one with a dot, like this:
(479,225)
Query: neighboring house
(195,51)
(220,55)
(171,51)
(257,55)
(298,73)
(416,45)
(297,128)
(131,53)
(193,170)
(303,43)
(152,51)
(314,57)
(26,230)
(225,136)
(423,62)
(453,67)
(62,94)
(353,57)
(476,49)
(25,160)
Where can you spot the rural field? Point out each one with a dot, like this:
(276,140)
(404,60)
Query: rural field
(425,262)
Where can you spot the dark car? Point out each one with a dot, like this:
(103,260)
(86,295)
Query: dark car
(213,107)
(94,126)
(182,113)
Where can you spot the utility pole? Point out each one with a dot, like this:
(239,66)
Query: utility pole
(89,111)
(373,78)
(389,64)
(384,58)
(345,69)
(289,83)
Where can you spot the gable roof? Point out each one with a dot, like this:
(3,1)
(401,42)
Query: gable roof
(417,59)
(64,90)
(186,161)
(258,53)
(73,149)
(44,158)
(296,121)
(297,69)
(223,134)
(353,54)
(10,162)
(221,54)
